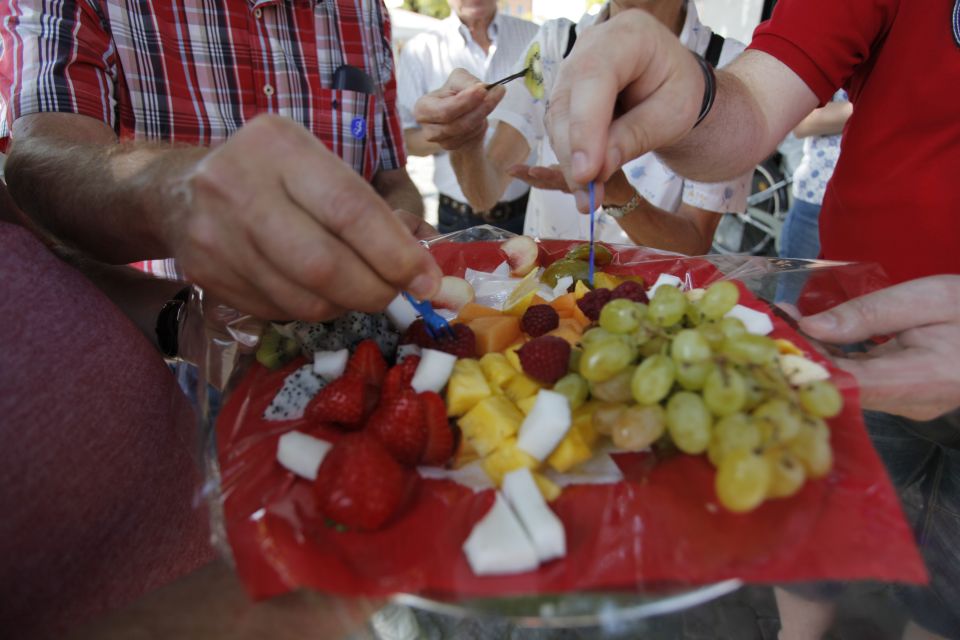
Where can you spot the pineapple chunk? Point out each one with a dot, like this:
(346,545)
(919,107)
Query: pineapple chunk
(466,387)
(526,405)
(571,451)
(550,489)
(497,369)
(507,457)
(511,355)
(603,280)
(490,422)
(583,422)
(521,387)
(786,347)
(581,289)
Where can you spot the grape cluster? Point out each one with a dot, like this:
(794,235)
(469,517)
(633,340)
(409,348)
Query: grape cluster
(679,370)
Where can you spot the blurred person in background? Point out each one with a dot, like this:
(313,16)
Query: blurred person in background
(646,203)
(486,43)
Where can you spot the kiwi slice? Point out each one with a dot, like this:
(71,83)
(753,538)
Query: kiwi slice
(576,269)
(533,78)
(601,255)
(276,350)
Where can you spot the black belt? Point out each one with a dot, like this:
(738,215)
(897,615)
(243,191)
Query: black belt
(500,212)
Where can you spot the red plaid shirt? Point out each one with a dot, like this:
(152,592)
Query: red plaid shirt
(194,71)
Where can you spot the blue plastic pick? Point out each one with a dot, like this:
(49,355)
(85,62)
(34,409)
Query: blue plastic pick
(592,218)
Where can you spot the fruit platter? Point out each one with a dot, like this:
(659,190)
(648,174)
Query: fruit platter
(658,428)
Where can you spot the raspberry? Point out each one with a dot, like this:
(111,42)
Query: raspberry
(630,290)
(539,319)
(593,302)
(545,359)
(463,344)
(417,334)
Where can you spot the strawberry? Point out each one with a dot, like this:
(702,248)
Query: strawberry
(399,378)
(346,401)
(539,319)
(367,364)
(463,344)
(631,291)
(592,302)
(398,424)
(545,359)
(439,445)
(360,485)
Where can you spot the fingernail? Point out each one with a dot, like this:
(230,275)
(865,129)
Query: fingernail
(425,285)
(579,164)
(583,200)
(821,322)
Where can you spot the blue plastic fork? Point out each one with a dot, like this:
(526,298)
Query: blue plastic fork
(437,327)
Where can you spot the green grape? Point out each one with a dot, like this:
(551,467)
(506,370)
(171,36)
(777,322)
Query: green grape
(616,389)
(603,360)
(818,426)
(787,473)
(713,333)
(732,327)
(574,387)
(653,346)
(724,391)
(688,422)
(719,299)
(754,393)
(667,307)
(645,331)
(619,316)
(652,380)
(781,416)
(638,427)
(750,349)
(736,432)
(605,416)
(690,346)
(742,482)
(596,334)
(692,375)
(813,451)
(575,355)
(820,399)
(693,315)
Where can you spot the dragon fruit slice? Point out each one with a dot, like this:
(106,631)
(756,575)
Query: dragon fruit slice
(345,332)
(297,391)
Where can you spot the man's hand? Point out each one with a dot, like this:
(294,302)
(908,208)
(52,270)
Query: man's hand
(654,82)
(550,178)
(455,115)
(420,228)
(917,374)
(276,225)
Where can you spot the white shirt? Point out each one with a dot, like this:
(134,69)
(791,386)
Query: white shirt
(428,60)
(820,155)
(553,214)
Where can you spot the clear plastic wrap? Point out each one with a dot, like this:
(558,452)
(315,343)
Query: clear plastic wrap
(653,542)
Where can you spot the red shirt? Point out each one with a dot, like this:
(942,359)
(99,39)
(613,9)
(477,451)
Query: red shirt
(893,198)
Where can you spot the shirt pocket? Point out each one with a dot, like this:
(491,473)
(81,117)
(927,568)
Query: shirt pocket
(346,123)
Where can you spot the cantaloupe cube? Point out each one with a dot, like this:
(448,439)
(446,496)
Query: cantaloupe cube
(512,357)
(495,333)
(497,369)
(581,319)
(490,422)
(564,305)
(536,299)
(467,386)
(472,311)
(506,458)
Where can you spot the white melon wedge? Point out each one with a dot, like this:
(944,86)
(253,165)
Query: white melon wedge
(540,522)
(756,322)
(330,364)
(665,279)
(433,371)
(544,427)
(498,543)
(401,313)
(302,454)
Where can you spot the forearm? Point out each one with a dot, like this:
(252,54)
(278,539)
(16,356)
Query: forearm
(396,187)
(482,182)
(112,201)
(748,120)
(651,226)
(828,120)
(418,145)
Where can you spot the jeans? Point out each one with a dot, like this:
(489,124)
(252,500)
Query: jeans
(450,220)
(800,238)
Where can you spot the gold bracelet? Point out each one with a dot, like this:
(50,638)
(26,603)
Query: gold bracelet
(619,212)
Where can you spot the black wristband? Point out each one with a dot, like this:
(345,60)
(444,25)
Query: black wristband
(709,88)
(168,323)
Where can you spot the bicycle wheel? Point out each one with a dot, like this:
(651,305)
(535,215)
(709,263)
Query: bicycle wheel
(755,231)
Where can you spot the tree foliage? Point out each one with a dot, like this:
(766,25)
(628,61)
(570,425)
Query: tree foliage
(434,8)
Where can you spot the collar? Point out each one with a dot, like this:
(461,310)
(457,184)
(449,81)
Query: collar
(691,36)
(454,23)
(259,4)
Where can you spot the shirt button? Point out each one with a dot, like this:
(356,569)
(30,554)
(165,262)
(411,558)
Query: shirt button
(257,13)
(268,89)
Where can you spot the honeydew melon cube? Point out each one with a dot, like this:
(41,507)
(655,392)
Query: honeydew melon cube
(498,544)
(401,313)
(302,454)
(545,426)
(330,364)
(434,371)
(756,322)
(539,521)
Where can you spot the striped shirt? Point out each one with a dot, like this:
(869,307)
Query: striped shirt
(194,71)
(428,60)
